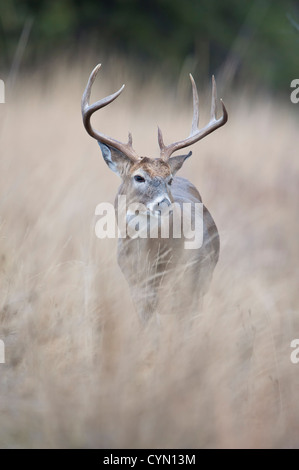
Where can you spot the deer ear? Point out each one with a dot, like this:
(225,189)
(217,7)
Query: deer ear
(115,159)
(177,162)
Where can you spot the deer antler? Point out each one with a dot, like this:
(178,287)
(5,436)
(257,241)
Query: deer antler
(88,110)
(196,134)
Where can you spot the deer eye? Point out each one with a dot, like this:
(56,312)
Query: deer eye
(139,179)
(170,181)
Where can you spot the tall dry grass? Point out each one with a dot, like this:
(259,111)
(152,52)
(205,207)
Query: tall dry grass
(79,371)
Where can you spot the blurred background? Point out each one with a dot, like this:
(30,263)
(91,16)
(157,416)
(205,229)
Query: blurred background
(79,370)
(252,41)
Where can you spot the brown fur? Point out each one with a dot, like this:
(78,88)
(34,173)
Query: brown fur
(154,167)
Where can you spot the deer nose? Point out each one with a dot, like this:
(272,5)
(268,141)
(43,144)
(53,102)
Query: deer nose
(160,206)
(164,203)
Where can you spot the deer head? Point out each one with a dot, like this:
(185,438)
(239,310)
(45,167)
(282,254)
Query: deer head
(147,180)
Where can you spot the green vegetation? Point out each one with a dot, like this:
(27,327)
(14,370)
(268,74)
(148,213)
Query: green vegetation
(252,40)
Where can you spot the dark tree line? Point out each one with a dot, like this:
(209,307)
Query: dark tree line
(250,39)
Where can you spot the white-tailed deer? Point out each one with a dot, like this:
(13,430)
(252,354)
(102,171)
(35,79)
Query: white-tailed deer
(162,274)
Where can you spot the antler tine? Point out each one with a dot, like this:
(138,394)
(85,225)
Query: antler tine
(214,99)
(160,138)
(88,110)
(196,134)
(195,119)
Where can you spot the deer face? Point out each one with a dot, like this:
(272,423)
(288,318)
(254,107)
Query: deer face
(145,180)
